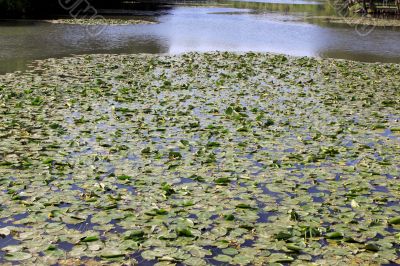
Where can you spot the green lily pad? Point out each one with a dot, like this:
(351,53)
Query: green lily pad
(223,258)
(17,256)
(394,220)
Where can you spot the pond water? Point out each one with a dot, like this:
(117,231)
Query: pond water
(266,27)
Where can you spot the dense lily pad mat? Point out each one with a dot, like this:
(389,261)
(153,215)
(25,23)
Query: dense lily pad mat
(199,159)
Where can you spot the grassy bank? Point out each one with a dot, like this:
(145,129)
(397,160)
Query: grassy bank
(200,159)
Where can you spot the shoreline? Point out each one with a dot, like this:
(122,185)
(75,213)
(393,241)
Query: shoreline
(358,20)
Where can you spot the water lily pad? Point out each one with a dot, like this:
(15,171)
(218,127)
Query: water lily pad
(395,220)
(111,254)
(334,235)
(4,232)
(223,258)
(17,256)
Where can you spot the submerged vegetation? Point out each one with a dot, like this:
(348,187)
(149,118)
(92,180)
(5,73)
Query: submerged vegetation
(200,159)
(104,21)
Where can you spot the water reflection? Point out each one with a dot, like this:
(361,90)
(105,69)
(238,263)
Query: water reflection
(184,29)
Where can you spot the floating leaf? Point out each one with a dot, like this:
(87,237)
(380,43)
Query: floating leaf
(394,220)
(111,254)
(243,206)
(223,258)
(90,238)
(222,181)
(294,247)
(184,232)
(372,247)
(4,232)
(17,256)
(334,235)
(354,204)
(146,150)
(124,177)
(229,217)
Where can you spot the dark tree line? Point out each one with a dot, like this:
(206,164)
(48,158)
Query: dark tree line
(49,8)
(21,8)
